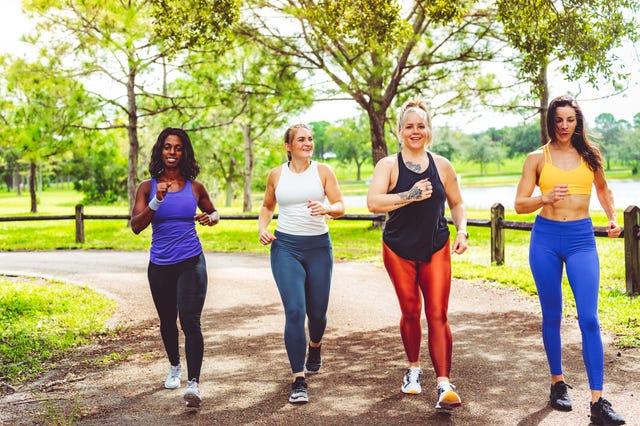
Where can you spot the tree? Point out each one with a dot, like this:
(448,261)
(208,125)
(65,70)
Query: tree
(251,90)
(609,134)
(47,107)
(580,35)
(377,51)
(483,151)
(113,45)
(351,141)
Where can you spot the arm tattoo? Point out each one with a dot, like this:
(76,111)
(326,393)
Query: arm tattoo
(416,167)
(412,194)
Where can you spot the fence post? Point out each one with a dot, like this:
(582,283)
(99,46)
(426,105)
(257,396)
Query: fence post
(497,234)
(632,249)
(79,223)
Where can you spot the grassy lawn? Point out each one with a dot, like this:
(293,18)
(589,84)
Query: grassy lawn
(352,240)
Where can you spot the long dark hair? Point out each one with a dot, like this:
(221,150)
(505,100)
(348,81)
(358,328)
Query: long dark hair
(188,165)
(587,149)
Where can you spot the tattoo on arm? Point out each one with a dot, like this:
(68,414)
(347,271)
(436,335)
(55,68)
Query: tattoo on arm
(413,194)
(416,167)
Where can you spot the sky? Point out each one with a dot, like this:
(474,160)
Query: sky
(593,102)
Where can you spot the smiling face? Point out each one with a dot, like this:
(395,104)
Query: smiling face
(172,150)
(300,143)
(414,132)
(565,122)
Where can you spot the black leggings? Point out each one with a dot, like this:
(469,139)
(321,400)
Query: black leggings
(179,290)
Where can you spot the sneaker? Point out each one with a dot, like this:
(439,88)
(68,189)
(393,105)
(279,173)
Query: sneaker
(603,414)
(299,391)
(192,395)
(448,399)
(411,381)
(559,396)
(314,360)
(173,377)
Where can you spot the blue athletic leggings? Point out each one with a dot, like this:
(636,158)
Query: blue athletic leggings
(179,290)
(301,267)
(554,243)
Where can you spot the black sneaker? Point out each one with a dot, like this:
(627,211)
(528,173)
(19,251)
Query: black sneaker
(603,414)
(559,396)
(314,360)
(299,391)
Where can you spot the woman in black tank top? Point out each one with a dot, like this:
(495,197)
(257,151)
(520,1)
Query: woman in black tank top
(412,187)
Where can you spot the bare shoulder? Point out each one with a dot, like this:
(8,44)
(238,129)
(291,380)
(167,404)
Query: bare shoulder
(324,168)
(388,162)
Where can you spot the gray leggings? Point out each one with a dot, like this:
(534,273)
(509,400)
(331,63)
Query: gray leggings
(302,266)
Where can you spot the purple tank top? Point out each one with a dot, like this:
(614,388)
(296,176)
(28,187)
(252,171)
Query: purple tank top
(174,237)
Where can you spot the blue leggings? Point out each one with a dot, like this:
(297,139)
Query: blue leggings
(301,267)
(179,290)
(572,243)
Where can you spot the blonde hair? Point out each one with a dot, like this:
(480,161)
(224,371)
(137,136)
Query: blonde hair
(418,106)
(290,131)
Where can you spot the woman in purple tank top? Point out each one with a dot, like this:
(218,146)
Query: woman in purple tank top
(177,270)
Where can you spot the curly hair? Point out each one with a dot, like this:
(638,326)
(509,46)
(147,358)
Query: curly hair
(188,165)
(587,149)
(418,106)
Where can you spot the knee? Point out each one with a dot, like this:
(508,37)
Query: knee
(589,324)
(295,314)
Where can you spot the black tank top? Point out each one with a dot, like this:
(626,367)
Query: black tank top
(419,229)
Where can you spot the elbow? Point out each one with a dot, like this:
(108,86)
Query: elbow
(518,208)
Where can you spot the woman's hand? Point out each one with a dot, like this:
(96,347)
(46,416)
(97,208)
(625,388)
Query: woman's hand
(208,219)
(613,230)
(460,243)
(162,189)
(265,237)
(317,208)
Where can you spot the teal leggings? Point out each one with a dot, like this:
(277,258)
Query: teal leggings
(572,244)
(301,267)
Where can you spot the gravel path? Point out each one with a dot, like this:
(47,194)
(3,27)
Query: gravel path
(499,364)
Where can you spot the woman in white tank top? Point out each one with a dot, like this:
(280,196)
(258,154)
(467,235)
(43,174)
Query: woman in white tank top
(301,254)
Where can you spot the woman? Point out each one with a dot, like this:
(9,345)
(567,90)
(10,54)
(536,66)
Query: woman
(301,252)
(177,270)
(412,186)
(566,169)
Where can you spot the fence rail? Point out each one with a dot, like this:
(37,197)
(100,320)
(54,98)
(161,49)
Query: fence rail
(630,232)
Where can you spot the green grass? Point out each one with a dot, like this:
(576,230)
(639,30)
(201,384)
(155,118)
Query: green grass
(352,240)
(41,320)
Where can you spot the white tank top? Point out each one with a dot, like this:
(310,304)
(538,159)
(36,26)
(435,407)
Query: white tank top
(292,193)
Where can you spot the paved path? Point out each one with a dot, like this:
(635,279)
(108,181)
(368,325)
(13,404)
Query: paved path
(499,364)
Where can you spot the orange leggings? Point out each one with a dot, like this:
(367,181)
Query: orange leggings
(412,279)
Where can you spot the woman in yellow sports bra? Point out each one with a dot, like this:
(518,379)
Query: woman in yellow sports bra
(566,169)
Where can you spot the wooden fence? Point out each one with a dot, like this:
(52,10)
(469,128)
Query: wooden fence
(630,232)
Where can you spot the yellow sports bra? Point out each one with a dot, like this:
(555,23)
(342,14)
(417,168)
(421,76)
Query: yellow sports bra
(580,179)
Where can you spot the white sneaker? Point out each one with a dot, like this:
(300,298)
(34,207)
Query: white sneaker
(192,395)
(173,377)
(448,399)
(411,381)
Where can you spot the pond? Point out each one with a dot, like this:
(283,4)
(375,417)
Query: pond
(625,193)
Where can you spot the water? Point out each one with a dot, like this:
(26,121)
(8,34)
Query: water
(625,193)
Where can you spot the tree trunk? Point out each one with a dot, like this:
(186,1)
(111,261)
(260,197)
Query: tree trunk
(247,173)
(134,146)
(378,139)
(32,187)
(229,193)
(16,179)
(544,105)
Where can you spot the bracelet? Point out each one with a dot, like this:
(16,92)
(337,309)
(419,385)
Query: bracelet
(155,203)
(212,218)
